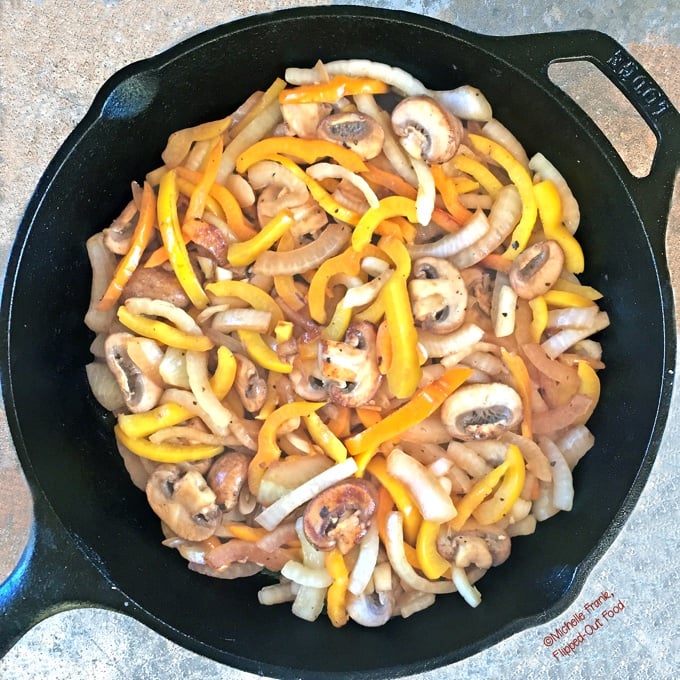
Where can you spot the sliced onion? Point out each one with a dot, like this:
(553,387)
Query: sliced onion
(186,399)
(397,556)
(173,368)
(563,483)
(284,533)
(467,459)
(264,173)
(277,593)
(428,431)
(427,193)
(164,309)
(574,443)
(467,591)
(503,307)
(233,571)
(366,561)
(562,416)
(536,461)
(566,338)
(103,263)
(358,296)
(104,386)
(438,346)
(273,515)
(413,602)
(523,527)
(330,242)
(496,131)
(450,244)
(434,504)
(230,320)
(571,213)
(179,143)
(321,171)
(306,576)
(238,550)
(572,317)
(199,382)
(309,603)
(553,369)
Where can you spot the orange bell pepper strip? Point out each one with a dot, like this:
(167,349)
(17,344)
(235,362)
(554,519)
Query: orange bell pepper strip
(268,449)
(423,404)
(243,253)
(340,424)
(447,190)
(306,150)
(400,495)
(140,240)
(337,591)
(330,92)
(432,564)
(201,191)
(173,240)
(368,416)
(388,207)
(504,497)
(496,262)
(520,374)
(520,177)
(550,211)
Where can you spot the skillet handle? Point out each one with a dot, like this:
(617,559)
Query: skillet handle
(52,576)
(535,53)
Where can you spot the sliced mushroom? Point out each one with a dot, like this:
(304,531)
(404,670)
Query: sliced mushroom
(536,270)
(226,478)
(340,515)
(307,380)
(484,548)
(251,387)
(370,609)
(302,120)
(481,411)
(181,497)
(426,130)
(353,130)
(438,295)
(139,390)
(351,366)
(157,283)
(118,235)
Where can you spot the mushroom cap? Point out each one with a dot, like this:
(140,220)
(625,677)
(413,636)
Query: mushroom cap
(438,294)
(226,477)
(340,515)
(353,130)
(481,411)
(535,270)
(303,119)
(485,548)
(426,129)
(181,497)
(251,387)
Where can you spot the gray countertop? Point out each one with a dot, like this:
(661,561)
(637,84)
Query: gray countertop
(54,56)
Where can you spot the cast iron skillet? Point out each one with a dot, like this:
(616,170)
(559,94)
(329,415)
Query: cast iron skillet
(96,542)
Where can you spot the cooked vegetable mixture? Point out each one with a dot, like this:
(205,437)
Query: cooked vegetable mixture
(344,337)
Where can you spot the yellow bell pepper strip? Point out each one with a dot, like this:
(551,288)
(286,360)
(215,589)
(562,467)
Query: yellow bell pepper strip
(448,191)
(162,332)
(563,298)
(484,487)
(171,234)
(244,532)
(347,262)
(539,319)
(261,353)
(482,175)
(550,212)
(584,291)
(589,387)
(464,185)
(268,449)
(140,240)
(201,191)
(330,92)
(520,374)
(243,253)
(223,378)
(400,495)
(146,423)
(432,564)
(493,509)
(405,372)
(337,591)
(306,150)
(423,404)
(187,188)
(254,296)
(388,207)
(522,180)
(283,331)
(166,453)
(324,437)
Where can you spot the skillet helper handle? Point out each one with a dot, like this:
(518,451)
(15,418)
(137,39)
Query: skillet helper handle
(52,576)
(653,193)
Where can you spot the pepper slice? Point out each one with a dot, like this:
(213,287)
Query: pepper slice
(201,191)
(225,373)
(325,438)
(254,296)
(246,252)
(391,206)
(166,453)
(522,180)
(261,353)
(173,240)
(337,591)
(550,211)
(539,320)
(519,372)
(448,191)
(512,472)
(268,449)
(146,423)
(330,92)
(432,564)
(423,404)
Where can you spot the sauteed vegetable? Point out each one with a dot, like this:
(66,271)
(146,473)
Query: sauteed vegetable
(344,338)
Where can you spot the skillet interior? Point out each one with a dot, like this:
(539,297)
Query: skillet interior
(65,440)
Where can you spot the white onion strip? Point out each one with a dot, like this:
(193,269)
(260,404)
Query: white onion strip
(427,193)
(467,591)
(273,515)
(162,308)
(321,171)
(571,213)
(306,576)
(566,338)
(366,561)
(452,243)
(438,346)
(199,382)
(563,484)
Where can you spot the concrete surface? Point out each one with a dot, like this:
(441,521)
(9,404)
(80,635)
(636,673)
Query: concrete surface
(55,55)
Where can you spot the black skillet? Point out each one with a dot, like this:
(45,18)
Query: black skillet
(94,539)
